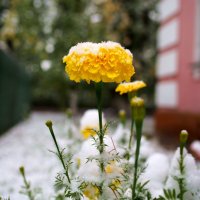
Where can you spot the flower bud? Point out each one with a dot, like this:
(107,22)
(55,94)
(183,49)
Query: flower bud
(69,112)
(183,136)
(21,170)
(49,124)
(137,104)
(122,116)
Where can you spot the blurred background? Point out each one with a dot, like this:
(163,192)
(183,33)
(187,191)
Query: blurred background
(36,34)
(164,37)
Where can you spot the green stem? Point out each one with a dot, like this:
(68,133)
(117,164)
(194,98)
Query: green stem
(181,168)
(130,96)
(137,152)
(99,105)
(131,133)
(26,184)
(59,153)
(101,133)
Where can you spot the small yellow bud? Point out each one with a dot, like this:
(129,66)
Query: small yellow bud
(78,162)
(183,136)
(122,116)
(109,169)
(49,124)
(21,170)
(122,113)
(137,102)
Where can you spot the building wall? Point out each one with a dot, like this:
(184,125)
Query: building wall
(178,70)
(189,94)
(178,85)
(167,90)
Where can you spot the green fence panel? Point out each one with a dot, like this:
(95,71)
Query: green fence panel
(14,92)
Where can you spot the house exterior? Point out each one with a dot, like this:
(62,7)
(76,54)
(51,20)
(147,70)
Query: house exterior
(178,69)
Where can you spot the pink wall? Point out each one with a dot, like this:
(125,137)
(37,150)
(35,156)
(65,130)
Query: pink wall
(189,88)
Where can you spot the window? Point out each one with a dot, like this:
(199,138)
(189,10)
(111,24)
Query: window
(196,65)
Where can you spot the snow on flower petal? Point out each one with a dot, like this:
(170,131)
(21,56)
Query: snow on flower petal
(89,123)
(91,192)
(105,61)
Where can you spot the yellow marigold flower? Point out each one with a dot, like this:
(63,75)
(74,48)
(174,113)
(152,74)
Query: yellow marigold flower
(105,61)
(88,131)
(115,184)
(113,168)
(130,87)
(109,169)
(91,192)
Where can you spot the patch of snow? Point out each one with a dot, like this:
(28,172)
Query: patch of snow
(156,173)
(27,144)
(195,146)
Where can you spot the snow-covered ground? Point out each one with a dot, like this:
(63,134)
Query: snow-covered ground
(27,144)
